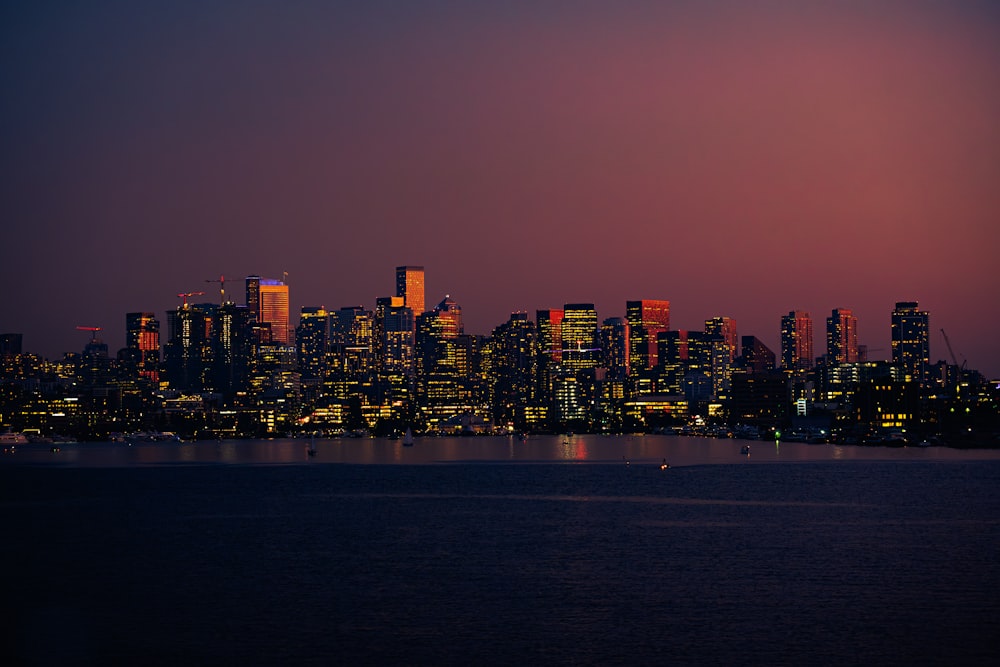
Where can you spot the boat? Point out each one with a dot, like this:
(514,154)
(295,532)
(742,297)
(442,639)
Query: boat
(664,465)
(745,450)
(408,438)
(13,439)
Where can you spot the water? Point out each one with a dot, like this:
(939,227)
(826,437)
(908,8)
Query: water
(828,561)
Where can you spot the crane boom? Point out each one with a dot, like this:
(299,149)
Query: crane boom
(947,342)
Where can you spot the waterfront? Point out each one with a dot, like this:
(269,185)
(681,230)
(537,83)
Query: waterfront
(637,449)
(817,557)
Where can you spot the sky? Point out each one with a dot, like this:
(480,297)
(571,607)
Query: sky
(738,159)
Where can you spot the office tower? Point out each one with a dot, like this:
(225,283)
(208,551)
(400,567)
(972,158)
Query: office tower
(142,339)
(410,286)
(550,343)
(796,341)
(394,330)
(437,331)
(910,339)
(615,347)
(312,341)
(351,339)
(579,336)
(646,319)
(548,348)
(186,351)
(267,300)
(724,328)
(757,357)
(841,337)
(513,369)
(232,348)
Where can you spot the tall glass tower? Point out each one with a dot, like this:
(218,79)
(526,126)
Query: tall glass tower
(796,341)
(842,337)
(410,286)
(911,339)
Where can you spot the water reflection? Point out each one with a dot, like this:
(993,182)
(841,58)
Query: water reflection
(637,450)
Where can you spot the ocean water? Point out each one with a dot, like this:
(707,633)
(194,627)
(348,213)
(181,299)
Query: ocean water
(493,562)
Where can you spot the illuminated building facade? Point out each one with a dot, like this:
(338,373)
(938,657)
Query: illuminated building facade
(842,337)
(312,341)
(410,286)
(615,347)
(394,328)
(184,355)
(796,341)
(142,339)
(513,370)
(647,318)
(724,328)
(910,339)
(579,337)
(232,348)
(274,309)
(351,340)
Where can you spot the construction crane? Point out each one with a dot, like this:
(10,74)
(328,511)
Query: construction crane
(222,289)
(185,295)
(93,332)
(954,359)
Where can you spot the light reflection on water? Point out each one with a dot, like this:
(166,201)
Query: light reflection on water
(633,449)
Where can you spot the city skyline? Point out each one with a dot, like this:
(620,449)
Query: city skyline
(659,310)
(738,161)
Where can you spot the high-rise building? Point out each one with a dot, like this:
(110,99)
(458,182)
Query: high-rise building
(142,339)
(579,337)
(842,337)
(394,327)
(615,347)
(757,357)
(910,339)
(410,286)
(186,351)
(232,348)
(513,373)
(647,318)
(725,328)
(550,343)
(267,300)
(312,341)
(796,341)
(351,337)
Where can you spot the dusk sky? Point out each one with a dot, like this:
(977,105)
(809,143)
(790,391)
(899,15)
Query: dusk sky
(737,158)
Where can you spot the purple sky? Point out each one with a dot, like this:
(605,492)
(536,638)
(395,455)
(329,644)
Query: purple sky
(740,159)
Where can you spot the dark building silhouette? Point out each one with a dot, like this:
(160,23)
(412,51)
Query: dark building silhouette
(756,357)
(911,339)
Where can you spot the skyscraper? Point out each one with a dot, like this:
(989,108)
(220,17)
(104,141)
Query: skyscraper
(615,347)
(910,339)
(267,300)
(842,337)
(410,286)
(579,336)
(647,319)
(142,338)
(725,328)
(394,333)
(312,341)
(796,341)
(186,350)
